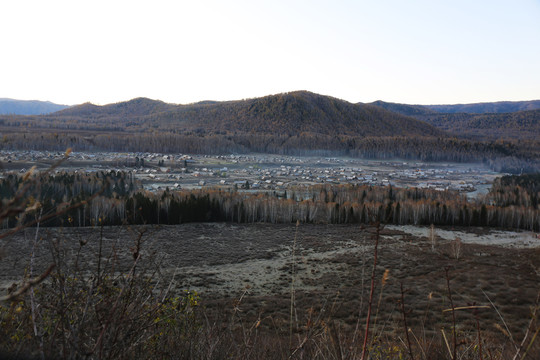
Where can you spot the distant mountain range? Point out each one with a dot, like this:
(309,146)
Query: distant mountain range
(477,108)
(488,107)
(28,107)
(299,123)
(293,113)
(517,120)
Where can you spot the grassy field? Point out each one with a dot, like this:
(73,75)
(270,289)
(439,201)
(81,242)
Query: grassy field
(304,291)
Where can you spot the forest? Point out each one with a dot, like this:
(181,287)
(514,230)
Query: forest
(489,121)
(297,123)
(115,198)
(502,155)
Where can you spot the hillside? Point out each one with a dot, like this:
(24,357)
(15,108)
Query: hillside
(127,109)
(487,107)
(285,114)
(296,123)
(496,124)
(404,109)
(28,107)
(517,125)
(295,113)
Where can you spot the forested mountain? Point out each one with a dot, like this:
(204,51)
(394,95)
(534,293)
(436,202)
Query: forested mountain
(517,125)
(285,114)
(496,124)
(127,109)
(296,123)
(487,107)
(404,109)
(28,107)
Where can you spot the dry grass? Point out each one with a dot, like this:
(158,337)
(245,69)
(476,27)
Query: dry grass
(243,273)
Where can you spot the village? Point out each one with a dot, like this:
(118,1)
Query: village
(259,172)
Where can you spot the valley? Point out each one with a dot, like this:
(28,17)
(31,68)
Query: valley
(261,172)
(293,218)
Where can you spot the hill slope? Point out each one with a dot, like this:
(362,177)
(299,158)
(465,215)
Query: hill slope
(128,109)
(517,125)
(404,109)
(28,107)
(299,123)
(497,124)
(488,107)
(284,114)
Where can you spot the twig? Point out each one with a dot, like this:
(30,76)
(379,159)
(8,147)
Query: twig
(454,336)
(10,208)
(27,285)
(533,317)
(480,352)
(50,216)
(372,290)
(99,342)
(32,298)
(293,268)
(419,345)
(100,252)
(335,340)
(530,344)
(502,319)
(383,283)
(446,342)
(405,321)
(468,308)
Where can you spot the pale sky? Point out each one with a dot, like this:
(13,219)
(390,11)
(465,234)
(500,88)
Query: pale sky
(414,51)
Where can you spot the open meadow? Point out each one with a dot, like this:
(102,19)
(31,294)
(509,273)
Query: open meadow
(247,276)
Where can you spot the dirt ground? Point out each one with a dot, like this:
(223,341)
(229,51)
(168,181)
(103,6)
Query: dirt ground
(254,269)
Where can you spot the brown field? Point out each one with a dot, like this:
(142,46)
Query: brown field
(332,270)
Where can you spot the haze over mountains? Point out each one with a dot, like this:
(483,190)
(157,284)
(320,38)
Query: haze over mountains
(28,107)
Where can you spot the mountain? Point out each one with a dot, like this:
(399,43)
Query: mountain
(296,123)
(285,114)
(495,124)
(516,125)
(293,114)
(487,107)
(404,109)
(28,107)
(132,108)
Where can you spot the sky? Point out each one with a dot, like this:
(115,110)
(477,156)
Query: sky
(414,52)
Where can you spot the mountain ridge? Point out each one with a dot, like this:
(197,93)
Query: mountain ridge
(28,107)
(286,113)
(523,124)
(296,123)
(487,107)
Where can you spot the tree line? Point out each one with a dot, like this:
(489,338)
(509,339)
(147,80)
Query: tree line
(115,198)
(502,156)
